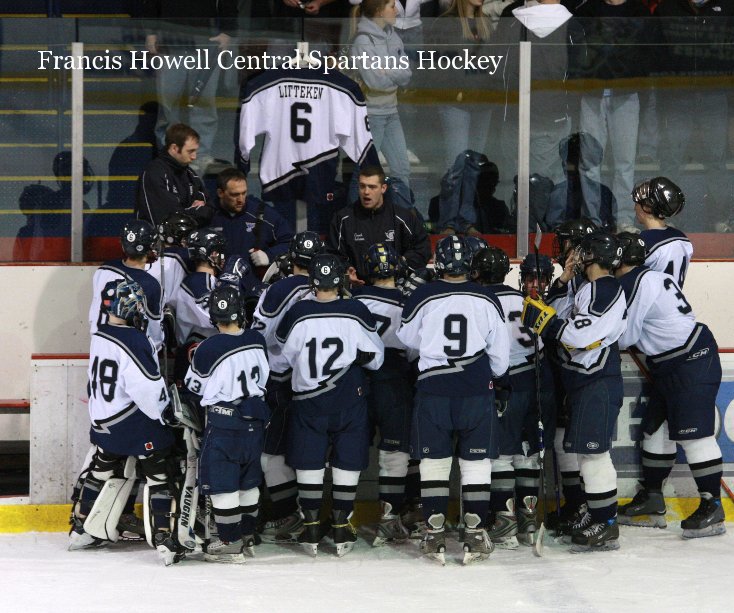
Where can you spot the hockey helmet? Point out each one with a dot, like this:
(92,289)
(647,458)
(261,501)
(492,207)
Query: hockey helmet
(659,196)
(175,229)
(138,238)
(125,299)
(490,265)
(303,247)
(226,305)
(326,271)
(382,261)
(572,230)
(475,243)
(633,248)
(600,248)
(452,257)
(208,245)
(531,267)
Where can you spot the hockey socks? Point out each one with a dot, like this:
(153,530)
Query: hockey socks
(392,477)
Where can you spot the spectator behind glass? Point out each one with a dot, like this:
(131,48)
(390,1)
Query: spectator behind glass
(376,38)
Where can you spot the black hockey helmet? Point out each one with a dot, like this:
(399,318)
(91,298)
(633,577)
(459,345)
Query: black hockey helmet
(572,230)
(633,248)
(208,245)
(139,237)
(326,271)
(382,261)
(490,265)
(531,266)
(452,256)
(125,299)
(601,248)
(175,229)
(475,243)
(659,196)
(226,305)
(303,247)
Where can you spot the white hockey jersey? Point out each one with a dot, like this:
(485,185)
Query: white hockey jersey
(306,117)
(522,347)
(192,314)
(669,251)
(175,269)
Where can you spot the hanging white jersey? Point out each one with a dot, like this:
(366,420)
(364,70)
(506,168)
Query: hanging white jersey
(175,268)
(386,306)
(588,338)
(117,270)
(321,340)
(306,117)
(522,347)
(269,312)
(192,315)
(669,251)
(659,317)
(229,367)
(124,376)
(459,332)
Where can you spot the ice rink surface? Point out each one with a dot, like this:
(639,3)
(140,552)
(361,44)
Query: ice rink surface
(653,571)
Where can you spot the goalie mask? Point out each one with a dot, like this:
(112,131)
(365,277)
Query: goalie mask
(489,265)
(382,261)
(208,246)
(529,270)
(452,256)
(633,248)
(598,248)
(660,197)
(140,238)
(126,300)
(568,236)
(326,271)
(304,246)
(226,306)
(175,229)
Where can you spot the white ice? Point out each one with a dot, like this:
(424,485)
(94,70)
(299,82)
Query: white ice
(653,571)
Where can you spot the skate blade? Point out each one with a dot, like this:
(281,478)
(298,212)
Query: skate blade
(472,556)
(506,542)
(712,530)
(528,538)
(249,551)
(169,557)
(225,558)
(642,521)
(310,548)
(439,557)
(280,539)
(612,545)
(343,549)
(130,537)
(539,541)
(84,541)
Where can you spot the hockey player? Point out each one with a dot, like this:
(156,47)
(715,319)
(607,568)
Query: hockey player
(458,329)
(140,247)
(684,365)
(515,474)
(284,522)
(127,400)
(390,398)
(228,372)
(592,378)
(327,342)
(668,249)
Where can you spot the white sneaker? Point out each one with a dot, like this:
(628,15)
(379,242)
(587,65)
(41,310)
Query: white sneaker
(413,158)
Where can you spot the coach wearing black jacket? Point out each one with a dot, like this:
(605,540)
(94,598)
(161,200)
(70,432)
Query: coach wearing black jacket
(374,220)
(169,185)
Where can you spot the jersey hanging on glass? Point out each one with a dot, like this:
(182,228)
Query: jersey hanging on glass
(306,116)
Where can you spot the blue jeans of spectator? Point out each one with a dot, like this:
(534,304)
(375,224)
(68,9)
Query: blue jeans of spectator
(387,133)
(464,127)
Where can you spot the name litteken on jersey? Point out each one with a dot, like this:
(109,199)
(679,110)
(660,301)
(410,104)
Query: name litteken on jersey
(226,59)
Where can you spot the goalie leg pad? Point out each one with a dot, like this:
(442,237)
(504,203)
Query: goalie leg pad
(161,493)
(116,475)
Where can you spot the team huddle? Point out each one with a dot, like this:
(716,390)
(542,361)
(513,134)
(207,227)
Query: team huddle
(275,382)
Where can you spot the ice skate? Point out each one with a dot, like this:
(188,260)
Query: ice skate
(131,527)
(503,532)
(597,536)
(579,522)
(390,527)
(412,518)
(79,539)
(223,552)
(477,545)
(434,540)
(248,544)
(646,510)
(527,521)
(706,520)
(283,530)
(311,534)
(168,549)
(344,533)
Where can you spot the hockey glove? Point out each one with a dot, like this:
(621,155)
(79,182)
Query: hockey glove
(364,357)
(235,269)
(537,315)
(259,258)
(502,391)
(169,417)
(416,279)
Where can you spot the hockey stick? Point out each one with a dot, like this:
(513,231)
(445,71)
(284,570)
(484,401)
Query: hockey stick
(648,377)
(164,349)
(538,549)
